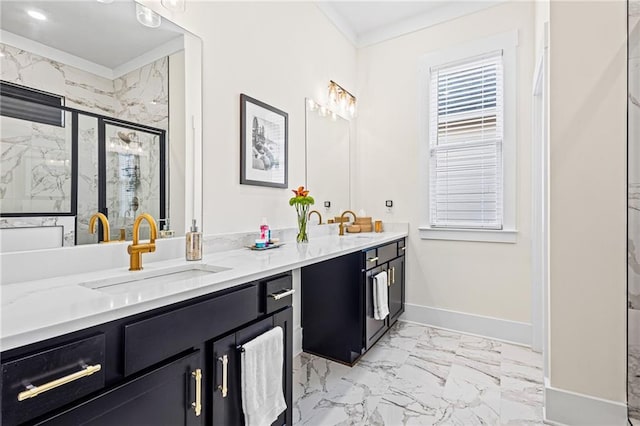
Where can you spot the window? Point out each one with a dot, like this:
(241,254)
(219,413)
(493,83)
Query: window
(468,143)
(29,104)
(465,151)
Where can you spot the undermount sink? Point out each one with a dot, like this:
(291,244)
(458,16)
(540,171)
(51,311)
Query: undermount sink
(361,237)
(183,274)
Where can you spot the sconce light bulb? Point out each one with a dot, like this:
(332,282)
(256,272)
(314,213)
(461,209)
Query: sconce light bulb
(343,101)
(323,111)
(311,104)
(333,93)
(174,5)
(352,108)
(334,116)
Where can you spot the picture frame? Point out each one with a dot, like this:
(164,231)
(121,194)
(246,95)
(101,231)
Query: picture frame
(264,134)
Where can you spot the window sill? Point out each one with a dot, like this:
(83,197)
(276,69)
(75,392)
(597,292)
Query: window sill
(481,235)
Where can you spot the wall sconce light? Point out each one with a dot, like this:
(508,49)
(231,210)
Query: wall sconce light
(173,5)
(147,17)
(341,99)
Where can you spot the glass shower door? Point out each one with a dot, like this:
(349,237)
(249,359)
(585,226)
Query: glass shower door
(134,177)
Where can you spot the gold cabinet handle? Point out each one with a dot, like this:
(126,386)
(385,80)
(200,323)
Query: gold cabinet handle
(197,405)
(225,375)
(33,391)
(373,259)
(389,282)
(278,296)
(404,248)
(393,275)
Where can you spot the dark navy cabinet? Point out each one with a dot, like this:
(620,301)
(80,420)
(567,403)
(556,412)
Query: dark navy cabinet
(337,301)
(155,368)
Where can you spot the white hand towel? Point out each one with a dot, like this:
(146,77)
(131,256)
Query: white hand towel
(261,376)
(380,296)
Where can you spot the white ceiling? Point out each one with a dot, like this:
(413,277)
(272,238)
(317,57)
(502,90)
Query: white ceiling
(105,34)
(368,22)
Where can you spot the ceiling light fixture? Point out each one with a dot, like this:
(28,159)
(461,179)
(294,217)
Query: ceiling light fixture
(105,1)
(174,5)
(147,17)
(341,100)
(37,15)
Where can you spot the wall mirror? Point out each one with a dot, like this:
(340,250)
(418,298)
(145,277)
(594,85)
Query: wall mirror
(328,159)
(96,115)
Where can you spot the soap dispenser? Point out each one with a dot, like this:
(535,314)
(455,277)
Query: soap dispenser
(194,243)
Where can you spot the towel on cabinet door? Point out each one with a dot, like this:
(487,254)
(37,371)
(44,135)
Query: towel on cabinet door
(262,361)
(380,296)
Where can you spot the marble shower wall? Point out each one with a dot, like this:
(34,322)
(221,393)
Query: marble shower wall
(634,211)
(140,96)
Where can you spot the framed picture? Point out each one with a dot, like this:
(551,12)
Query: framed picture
(263,144)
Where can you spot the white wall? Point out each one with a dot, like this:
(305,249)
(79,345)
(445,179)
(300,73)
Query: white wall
(588,198)
(489,279)
(278,53)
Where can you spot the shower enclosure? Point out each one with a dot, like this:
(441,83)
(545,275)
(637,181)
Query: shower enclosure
(63,163)
(633,242)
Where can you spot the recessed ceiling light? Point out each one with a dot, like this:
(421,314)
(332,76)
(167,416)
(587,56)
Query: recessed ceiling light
(37,15)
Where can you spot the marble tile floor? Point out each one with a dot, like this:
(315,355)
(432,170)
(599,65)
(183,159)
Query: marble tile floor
(417,375)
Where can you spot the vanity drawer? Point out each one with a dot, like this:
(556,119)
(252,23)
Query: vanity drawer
(402,247)
(155,339)
(387,252)
(277,293)
(35,384)
(370,259)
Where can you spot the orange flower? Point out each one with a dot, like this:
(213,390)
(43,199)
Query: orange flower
(300,192)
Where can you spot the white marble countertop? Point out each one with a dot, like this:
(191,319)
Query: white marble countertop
(36,310)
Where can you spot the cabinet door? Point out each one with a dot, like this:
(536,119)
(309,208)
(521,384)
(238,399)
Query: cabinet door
(396,289)
(332,308)
(284,319)
(374,328)
(165,396)
(227,401)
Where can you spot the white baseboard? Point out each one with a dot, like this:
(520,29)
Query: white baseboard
(494,328)
(562,407)
(297,341)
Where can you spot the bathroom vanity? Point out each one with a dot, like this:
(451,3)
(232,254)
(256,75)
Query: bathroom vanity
(178,364)
(162,346)
(337,299)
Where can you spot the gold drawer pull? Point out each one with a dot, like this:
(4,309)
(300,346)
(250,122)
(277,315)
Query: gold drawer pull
(403,248)
(278,296)
(373,259)
(225,375)
(197,406)
(33,391)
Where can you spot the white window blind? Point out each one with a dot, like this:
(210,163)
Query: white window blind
(465,147)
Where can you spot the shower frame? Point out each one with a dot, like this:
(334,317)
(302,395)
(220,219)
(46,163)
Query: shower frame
(102,122)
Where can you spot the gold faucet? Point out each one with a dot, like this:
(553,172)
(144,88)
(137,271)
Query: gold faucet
(136,249)
(319,216)
(105,226)
(342,222)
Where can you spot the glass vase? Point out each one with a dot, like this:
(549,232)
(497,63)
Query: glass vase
(302,237)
